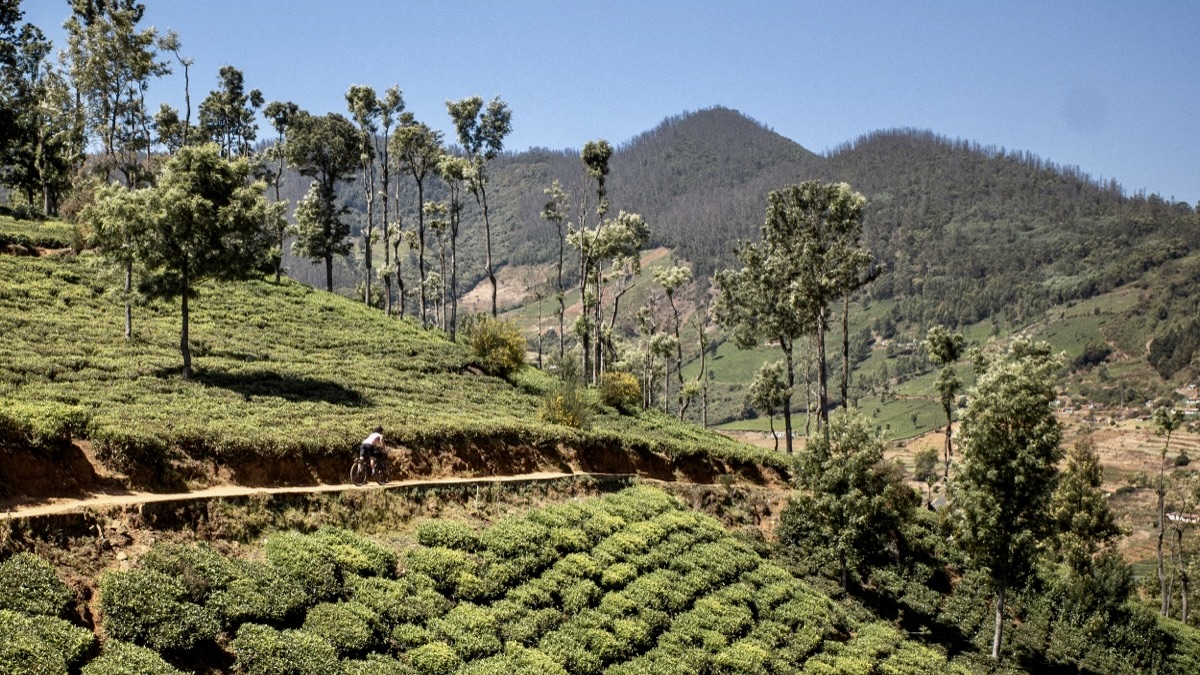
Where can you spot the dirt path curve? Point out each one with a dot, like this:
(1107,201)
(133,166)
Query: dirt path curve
(18,511)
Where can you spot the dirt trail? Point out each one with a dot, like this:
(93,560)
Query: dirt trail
(99,501)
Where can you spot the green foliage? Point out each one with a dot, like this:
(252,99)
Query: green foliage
(151,609)
(435,658)
(29,644)
(621,391)
(123,658)
(498,344)
(348,626)
(311,563)
(262,650)
(472,631)
(376,664)
(198,567)
(567,404)
(358,555)
(448,534)
(29,585)
(261,594)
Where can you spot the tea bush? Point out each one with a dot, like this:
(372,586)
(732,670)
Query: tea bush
(34,644)
(497,343)
(348,626)
(448,534)
(376,664)
(308,561)
(358,555)
(30,585)
(123,658)
(261,594)
(262,650)
(434,658)
(471,630)
(151,609)
(198,567)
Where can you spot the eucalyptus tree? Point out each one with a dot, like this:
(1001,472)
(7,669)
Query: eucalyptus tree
(170,42)
(390,107)
(326,149)
(455,172)
(618,241)
(671,278)
(111,65)
(809,255)
(418,150)
(481,134)
(595,156)
(227,114)
(365,109)
(279,114)
(40,139)
(438,214)
(555,212)
(1001,492)
(119,220)
(944,348)
(204,222)
(1167,419)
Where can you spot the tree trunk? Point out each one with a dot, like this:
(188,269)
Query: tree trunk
(128,300)
(949,451)
(183,332)
(453,279)
(822,376)
(999,632)
(421,246)
(329,272)
(787,400)
(1165,607)
(771,421)
(487,234)
(846,352)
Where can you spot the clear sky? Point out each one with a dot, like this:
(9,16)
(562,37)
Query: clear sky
(1110,87)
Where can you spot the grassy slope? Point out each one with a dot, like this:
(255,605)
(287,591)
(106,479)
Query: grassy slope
(280,370)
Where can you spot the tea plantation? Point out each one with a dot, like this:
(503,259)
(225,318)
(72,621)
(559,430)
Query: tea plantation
(625,584)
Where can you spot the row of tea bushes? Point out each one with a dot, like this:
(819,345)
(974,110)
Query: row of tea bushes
(626,584)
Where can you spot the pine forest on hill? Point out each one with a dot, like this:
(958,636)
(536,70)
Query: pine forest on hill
(988,364)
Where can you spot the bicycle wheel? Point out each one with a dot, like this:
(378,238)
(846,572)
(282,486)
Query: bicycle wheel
(383,471)
(358,472)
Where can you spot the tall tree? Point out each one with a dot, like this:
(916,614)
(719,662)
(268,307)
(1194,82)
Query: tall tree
(595,156)
(279,114)
(481,134)
(205,222)
(119,219)
(418,150)
(555,212)
(944,348)
(1001,492)
(227,114)
(809,255)
(454,172)
(1083,522)
(1167,420)
(111,64)
(390,108)
(326,149)
(365,109)
(170,43)
(671,278)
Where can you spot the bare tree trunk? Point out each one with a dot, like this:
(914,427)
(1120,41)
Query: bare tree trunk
(1163,586)
(846,352)
(822,375)
(999,632)
(787,401)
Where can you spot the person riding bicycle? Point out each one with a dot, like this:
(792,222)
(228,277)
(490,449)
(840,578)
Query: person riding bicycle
(372,446)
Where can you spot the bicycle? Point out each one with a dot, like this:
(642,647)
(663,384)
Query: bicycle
(361,470)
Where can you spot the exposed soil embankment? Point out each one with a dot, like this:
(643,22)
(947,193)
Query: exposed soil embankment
(30,478)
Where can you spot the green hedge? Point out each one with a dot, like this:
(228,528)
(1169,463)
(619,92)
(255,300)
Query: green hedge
(262,650)
(151,609)
(35,644)
(308,561)
(349,626)
(30,585)
(123,658)
(448,534)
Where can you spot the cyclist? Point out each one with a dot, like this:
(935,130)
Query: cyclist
(372,447)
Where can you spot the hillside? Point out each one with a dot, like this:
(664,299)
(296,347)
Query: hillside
(289,379)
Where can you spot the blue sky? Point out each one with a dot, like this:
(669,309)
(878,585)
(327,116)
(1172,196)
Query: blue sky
(1110,87)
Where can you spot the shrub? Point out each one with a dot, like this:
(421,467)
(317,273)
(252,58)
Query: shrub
(308,561)
(443,565)
(348,626)
(261,594)
(357,554)
(497,343)
(621,391)
(29,644)
(29,585)
(262,650)
(471,630)
(618,575)
(376,664)
(448,534)
(515,659)
(150,609)
(198,567)
(123,658)
(389,599)
(566,404)
(514,537)
(407,636)
(435,658)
